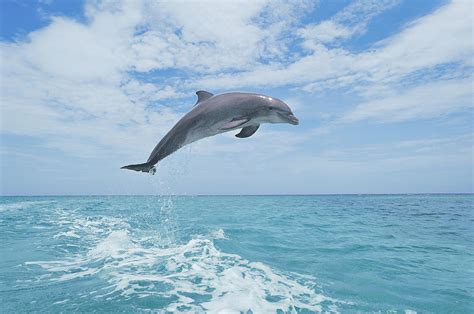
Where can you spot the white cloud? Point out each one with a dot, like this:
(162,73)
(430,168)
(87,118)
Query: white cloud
(444,36)
(423,101)
(213,36)
(324,32)
(352,20)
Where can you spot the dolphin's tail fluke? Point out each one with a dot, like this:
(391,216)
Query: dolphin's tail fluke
(145,167)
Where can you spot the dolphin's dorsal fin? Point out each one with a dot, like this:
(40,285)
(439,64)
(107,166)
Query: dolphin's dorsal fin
(203,95)
(248,131)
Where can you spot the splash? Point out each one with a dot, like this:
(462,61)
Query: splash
(168,221)
(177,167)
(152,171)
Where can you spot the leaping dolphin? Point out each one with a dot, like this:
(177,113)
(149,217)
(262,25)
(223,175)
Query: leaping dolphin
(215,114)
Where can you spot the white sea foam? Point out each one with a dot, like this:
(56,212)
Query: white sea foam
(21,205)
(195,276)
(218,234)
(115,245)
(69,233)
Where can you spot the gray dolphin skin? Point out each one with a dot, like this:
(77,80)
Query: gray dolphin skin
(215,114)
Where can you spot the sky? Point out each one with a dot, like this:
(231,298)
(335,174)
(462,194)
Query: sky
(383,90)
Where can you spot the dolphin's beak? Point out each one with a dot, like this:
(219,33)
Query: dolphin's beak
(292,119)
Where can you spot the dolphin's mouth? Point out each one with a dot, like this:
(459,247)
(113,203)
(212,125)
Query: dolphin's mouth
(291,118)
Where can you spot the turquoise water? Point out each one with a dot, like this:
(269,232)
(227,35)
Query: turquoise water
(388,253)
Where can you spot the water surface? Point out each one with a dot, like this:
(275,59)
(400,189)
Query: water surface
(306,254)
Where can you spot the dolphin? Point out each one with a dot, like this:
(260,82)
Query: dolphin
(215,114)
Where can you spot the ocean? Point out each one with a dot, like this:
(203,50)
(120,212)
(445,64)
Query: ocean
(231,254)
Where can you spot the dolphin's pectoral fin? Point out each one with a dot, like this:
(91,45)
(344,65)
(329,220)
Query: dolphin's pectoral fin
(248,131)
(203,95)
(235,123)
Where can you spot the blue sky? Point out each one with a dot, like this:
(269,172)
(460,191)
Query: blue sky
(383,90)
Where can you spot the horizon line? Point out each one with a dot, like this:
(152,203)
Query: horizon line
(197,195)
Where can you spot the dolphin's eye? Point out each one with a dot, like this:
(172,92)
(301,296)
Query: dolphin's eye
(271,108)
